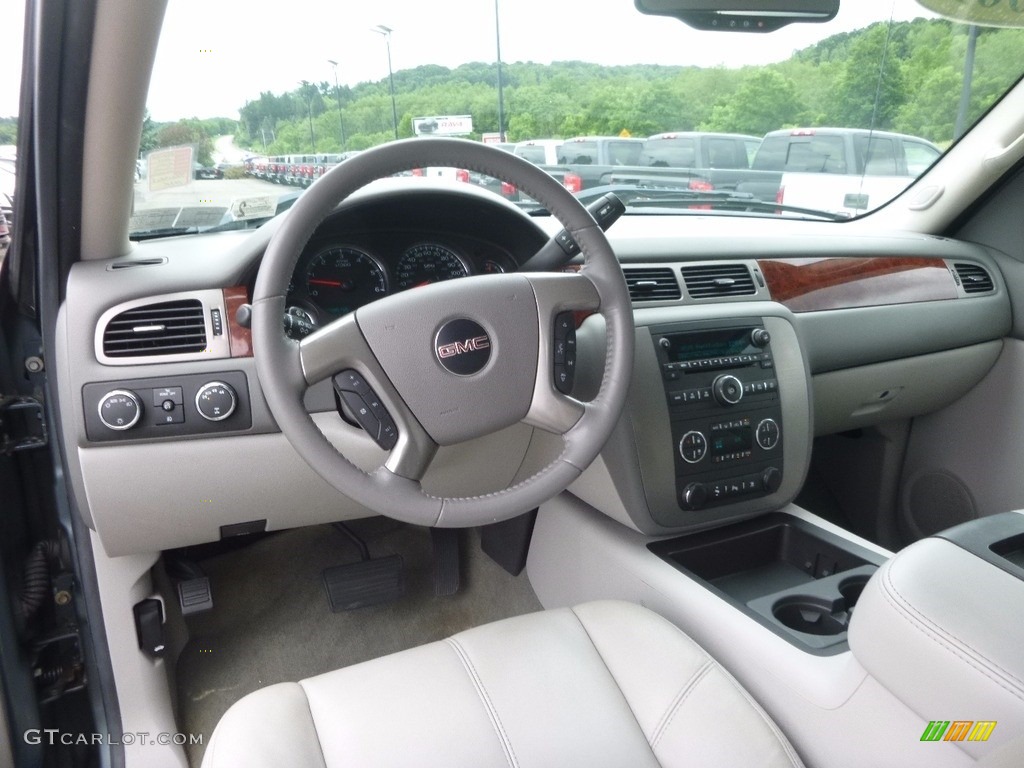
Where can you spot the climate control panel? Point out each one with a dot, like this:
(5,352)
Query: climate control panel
(193,404)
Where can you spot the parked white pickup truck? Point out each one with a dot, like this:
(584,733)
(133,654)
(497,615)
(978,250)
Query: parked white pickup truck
(842,170)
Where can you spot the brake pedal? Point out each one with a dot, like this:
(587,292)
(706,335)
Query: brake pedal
(367,582)
(364,583)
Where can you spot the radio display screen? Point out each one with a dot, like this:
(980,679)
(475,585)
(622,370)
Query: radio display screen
(734,440)
(701,345)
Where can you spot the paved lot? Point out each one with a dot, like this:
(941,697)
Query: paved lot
(217,193)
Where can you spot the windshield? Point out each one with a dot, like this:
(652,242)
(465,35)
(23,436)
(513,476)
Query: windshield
(825,120)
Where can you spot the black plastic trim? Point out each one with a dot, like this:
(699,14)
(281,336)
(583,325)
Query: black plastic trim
(729,551)
(992,539)
(508,543)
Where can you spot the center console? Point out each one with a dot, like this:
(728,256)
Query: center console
(688,510)
(717,427)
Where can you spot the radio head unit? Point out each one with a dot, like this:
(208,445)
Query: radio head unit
(724,408)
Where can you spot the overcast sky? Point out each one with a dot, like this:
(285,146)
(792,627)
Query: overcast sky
(216,54)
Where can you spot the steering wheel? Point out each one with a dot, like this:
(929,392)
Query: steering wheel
(450,361)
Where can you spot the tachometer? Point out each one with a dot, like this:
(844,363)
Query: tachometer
(341,279)
(428,263)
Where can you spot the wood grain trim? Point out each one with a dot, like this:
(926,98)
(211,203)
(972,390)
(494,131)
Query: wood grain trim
(240,338)
(808,285)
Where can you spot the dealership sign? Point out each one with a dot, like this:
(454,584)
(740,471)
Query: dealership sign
(447,125)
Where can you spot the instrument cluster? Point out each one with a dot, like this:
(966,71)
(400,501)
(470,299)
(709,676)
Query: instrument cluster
(334,278)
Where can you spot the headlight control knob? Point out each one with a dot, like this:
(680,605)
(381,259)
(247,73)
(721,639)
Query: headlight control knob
(120,409)
(216,400)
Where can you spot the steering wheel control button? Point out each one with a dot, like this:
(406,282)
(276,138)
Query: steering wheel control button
(564,325)
(362,413)
(728,389)
(388,436)
(351,381)
(462,346)
(120,409)
(366,408)
(216,401)
(768,434)
(565,352)
(693,447)
(567,243)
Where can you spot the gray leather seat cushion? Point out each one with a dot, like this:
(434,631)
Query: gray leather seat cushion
(603,684)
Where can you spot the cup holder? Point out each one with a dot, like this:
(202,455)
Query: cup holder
(814,616)
(851,588)
(817,613)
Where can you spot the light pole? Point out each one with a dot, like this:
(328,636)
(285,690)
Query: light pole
(501,95)
(306,86)
(337,91)
(385,32)
(965,92)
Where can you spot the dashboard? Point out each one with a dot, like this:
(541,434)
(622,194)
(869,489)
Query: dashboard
(849,318)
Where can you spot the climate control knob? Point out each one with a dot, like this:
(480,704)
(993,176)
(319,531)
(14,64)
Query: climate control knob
(767,434)
(216,401)
(120,409)
(693,447)
(728,390)
(771,479)
(693,496)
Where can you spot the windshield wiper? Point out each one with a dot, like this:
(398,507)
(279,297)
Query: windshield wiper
(151,234)
(673,199)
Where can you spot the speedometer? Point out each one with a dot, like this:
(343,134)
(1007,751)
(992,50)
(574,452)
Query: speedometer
(341,279)
(428,263)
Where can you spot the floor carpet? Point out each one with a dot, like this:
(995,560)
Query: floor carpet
(271,621)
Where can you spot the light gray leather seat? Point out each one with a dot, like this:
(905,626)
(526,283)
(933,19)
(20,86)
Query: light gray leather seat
(602,684)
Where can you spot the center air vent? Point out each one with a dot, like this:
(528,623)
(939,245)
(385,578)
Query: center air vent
(168,328)
(973,278)
(651,284)
(717,280)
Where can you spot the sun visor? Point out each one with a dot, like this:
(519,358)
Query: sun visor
(982,13)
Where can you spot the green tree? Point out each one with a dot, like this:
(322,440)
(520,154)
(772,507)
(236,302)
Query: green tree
(765,100)
(934,75)
(8,130)
(870,88)
(190,131)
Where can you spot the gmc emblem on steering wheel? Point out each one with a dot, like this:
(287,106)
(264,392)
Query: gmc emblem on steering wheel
(463,347)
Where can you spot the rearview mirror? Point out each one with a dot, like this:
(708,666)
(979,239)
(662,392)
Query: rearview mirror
(741,15)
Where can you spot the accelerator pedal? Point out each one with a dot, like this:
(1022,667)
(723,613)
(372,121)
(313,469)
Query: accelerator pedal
(370,581)
(447,562)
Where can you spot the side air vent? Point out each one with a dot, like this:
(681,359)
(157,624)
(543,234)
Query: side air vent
(717,280)
(168,328)
(974,278)
(652,284)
